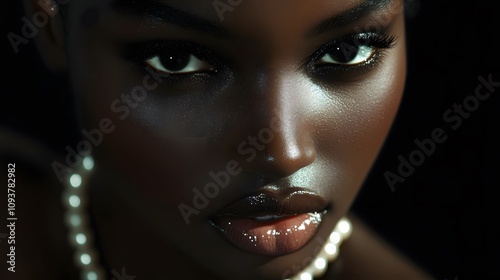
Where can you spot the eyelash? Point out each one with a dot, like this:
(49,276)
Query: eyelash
(139,53)
(380,43)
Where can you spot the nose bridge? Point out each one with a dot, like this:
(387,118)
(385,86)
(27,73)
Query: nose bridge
(284,102)
(279,142)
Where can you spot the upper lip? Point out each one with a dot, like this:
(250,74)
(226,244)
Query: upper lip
(275,202)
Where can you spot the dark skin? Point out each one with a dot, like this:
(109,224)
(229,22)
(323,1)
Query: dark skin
(330,123)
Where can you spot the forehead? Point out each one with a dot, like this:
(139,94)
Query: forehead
(262,14)
(240,15)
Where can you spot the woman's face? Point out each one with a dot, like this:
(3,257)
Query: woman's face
(242,129)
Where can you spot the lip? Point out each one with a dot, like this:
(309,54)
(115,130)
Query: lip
(271,222)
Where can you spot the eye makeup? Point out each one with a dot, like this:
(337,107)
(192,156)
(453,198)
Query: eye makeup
(348,45)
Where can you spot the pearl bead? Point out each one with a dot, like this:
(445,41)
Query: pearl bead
(320,266)
(80,238)
(85,256)
(74,201)
(335,237)
(92,272)
(73,198)
(331,251)
(320,263)
(75,180)
(75,219)
(344,227)
(306,276)
(88,163)
(90,275)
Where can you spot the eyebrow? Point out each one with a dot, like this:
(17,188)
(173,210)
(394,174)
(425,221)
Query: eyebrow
(350,16)
(157,12)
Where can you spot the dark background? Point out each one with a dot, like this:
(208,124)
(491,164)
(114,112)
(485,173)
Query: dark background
(444,215)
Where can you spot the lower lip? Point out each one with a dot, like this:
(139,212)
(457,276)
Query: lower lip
(274,237)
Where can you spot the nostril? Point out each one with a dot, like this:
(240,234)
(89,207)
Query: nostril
(283,158)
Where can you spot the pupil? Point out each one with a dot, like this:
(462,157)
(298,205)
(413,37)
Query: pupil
(175,62)
(344,53)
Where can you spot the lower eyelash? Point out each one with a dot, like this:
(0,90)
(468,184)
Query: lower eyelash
(141,52)
(369,64)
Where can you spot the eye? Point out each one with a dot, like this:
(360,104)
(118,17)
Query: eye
(178,63)
(353,50)
(346,54)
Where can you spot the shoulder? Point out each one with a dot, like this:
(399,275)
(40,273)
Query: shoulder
(37,239)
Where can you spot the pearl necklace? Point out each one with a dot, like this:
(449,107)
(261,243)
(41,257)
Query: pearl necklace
(86,257)
(328,253)
(77,220)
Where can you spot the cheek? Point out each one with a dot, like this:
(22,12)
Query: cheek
(104,86)
(358,131)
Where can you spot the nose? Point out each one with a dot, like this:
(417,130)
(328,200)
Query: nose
(276,136)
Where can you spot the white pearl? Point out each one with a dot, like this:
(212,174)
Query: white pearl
(90,275)
(331,251)
(320,266)
(335,237)
(320,263)
(80,238)
(306,276)
(76,220)
(73,220)
(73,198)
(75,180)
(88,163)
(74,201)
(92,272)
(85,256)
(344,227)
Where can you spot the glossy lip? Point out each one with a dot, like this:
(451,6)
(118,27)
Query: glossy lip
(271,222)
